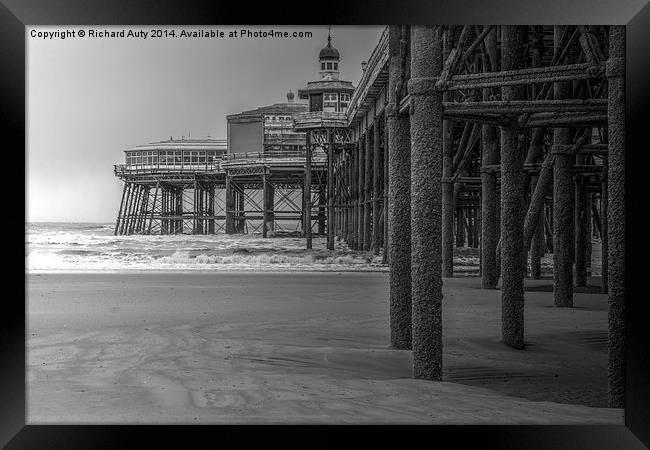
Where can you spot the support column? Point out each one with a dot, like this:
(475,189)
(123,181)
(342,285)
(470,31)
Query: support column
(135,208)
(230,206)
(460,227)
(270,206)
(535,153)
(153,208)
(195,208)
(447,184)
(211,209)
(179,211)
(426,211)
(330,191)
(354,171)
(127,200)
(241,202)
(119,213)
(616,215)
(376,188)
(582,218)
(399,195)
(512,214)
(603,229)
(346,199)
(563,201)
(367,196)
(362,194)
(384,259)
(264,207)
(307,192)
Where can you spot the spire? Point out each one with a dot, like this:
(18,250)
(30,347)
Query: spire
(329,52)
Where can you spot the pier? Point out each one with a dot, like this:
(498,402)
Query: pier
(510,139)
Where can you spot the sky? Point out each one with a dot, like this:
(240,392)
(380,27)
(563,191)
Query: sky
(89,99)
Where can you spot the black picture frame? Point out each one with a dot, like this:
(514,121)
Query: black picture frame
(15,15)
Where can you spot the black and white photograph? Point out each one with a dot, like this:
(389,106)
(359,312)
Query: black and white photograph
(325,224)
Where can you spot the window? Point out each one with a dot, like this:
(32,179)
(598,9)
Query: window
(330,102)
(201,157)
(345,101)
(322,66)
(178,157)
(336,66)
(329,66)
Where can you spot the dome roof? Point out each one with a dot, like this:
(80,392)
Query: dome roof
(329,52)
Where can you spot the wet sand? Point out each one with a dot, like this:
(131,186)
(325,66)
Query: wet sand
(300,348)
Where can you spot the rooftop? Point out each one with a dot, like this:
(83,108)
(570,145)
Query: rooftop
(184,144)
(276,108)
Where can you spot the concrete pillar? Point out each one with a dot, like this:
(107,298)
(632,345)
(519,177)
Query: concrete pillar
(563,199)
(512,214)
(489,195)
(447,185)
(399,208)
(385,187)
(616,215)
(376,187)
(537,242)
(367,189)
(426,198)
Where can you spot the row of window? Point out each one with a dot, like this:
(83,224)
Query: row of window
(172,158)
(277,118)
(329,66)
(330,101)
(332,96)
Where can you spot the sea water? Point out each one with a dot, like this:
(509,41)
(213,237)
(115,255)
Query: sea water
(92,247)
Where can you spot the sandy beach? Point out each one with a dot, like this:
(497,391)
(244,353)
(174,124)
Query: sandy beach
(300,348)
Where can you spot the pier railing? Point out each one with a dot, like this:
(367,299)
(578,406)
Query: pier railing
(269,156)
(121,169)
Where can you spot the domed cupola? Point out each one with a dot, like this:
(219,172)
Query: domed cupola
(328,59)
(329,52)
